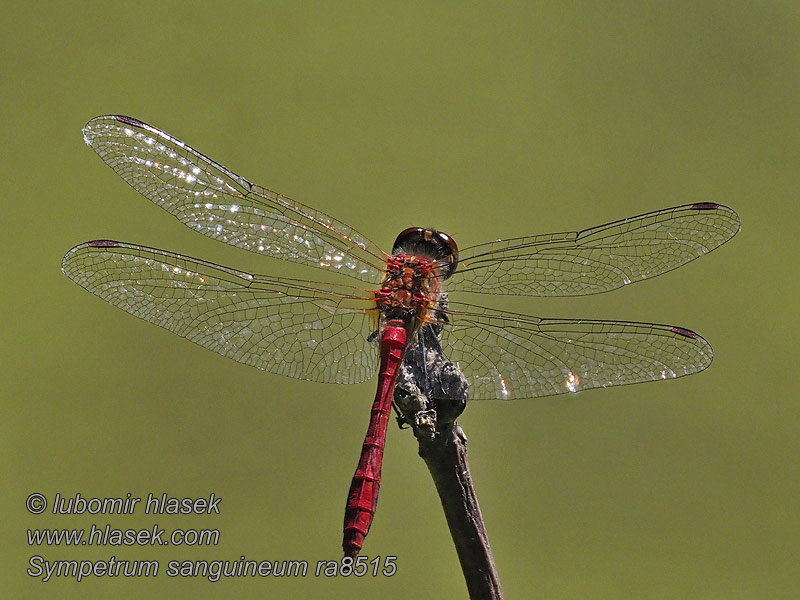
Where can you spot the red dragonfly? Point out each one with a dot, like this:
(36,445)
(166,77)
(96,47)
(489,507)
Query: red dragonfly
(344,332)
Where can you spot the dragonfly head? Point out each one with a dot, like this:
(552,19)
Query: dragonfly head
(436,245)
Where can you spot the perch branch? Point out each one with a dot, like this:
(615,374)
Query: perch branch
(429,395)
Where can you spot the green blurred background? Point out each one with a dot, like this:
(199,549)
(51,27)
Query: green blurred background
(485,122)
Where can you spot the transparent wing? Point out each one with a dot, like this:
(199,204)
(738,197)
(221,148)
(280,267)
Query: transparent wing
(217,202)
(312,331)
(506,356)
(598,259)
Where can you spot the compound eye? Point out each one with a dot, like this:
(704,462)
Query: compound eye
(434,244)
(448,253)
(448,242)
(408,239)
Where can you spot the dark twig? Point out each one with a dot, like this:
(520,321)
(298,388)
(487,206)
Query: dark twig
(429,395)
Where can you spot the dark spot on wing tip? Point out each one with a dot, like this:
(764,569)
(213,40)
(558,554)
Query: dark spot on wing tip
(103,244)
(705,206)
(685,332)
(129,120)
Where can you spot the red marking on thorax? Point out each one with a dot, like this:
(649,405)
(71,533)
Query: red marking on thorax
(410,285)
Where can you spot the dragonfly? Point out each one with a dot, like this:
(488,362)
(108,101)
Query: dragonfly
(344,332)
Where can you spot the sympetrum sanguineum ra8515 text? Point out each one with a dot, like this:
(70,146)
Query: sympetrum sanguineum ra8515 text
(344,332)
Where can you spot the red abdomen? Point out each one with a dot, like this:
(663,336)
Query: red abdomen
(362,499)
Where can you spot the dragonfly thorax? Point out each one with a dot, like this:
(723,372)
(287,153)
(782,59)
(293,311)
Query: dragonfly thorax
(410,288)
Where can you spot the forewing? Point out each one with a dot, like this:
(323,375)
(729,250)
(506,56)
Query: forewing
(598,259)
(507,356)
(220,204)
(309,331)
